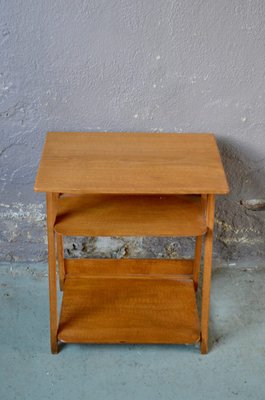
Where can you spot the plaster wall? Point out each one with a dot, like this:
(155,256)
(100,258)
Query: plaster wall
(159,66)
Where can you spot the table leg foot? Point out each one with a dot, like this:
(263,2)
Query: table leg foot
(204,346)
(54,346)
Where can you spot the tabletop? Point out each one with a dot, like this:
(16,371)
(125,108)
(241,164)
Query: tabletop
(131,163)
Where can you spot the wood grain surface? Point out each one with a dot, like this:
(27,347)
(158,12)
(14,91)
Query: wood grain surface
(128,267)
(106,310)
(131,163)
(112,215)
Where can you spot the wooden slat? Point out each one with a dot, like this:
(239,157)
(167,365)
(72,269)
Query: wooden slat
(148,268)
(110,215)
(131,163)
(197,261)
(128,311)
(207,272)
(51,207)
(60,257)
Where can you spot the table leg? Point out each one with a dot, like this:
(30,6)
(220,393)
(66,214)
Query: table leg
(51,201)
(197,261)
(60,257)
(206,286)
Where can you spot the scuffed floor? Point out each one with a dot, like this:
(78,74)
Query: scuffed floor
(234,368)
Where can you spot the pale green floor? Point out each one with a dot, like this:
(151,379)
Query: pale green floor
(234,368)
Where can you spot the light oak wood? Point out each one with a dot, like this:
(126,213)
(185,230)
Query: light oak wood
(206,286)
(134,184)
(197,261)
(60,257)
(110,215)
(105,310)
(130,163)
(116,268)
(51,207)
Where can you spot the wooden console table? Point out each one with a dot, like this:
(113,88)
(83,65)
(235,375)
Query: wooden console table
(130,184)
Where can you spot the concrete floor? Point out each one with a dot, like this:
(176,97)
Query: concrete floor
(234,368)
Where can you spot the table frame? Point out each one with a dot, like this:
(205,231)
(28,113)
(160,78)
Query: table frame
(169,170)
(55,252)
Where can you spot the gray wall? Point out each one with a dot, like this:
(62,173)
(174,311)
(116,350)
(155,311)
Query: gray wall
(142,65)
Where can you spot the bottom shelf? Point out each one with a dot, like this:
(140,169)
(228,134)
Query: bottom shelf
(127,310)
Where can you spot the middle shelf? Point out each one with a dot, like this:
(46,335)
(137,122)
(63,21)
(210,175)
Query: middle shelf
(135,215)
